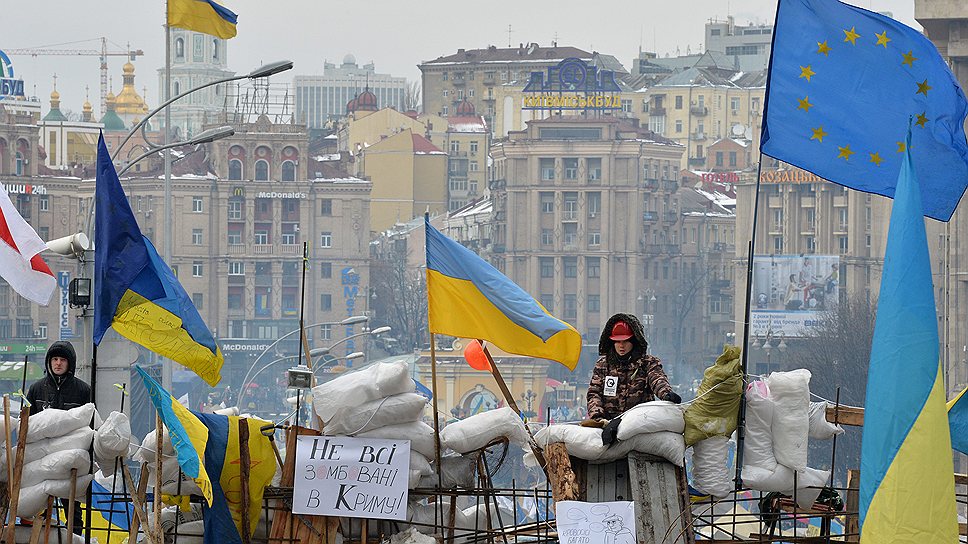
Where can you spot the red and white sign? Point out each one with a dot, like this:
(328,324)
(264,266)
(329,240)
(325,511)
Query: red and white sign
(20,261)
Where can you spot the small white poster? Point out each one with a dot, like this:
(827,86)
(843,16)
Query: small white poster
(595,522)
(351,477)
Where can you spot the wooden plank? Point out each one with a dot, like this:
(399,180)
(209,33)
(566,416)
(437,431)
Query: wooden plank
(845,415)
(18,470)
(852,527)
(961,479)
(564,486)
(658,511)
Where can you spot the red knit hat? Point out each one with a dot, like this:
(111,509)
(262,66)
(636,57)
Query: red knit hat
(621,331)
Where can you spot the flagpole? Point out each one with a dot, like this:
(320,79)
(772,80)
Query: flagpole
(741,423)
(166,369)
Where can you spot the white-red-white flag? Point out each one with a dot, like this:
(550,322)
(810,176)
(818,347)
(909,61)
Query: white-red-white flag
(20,261)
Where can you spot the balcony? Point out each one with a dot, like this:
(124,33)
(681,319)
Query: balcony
(650,183)
(722,247)
(459,82)
(719,284)
(569,215)
(670,185)
(488,98)
(489,80)
(699,111)
(697,161)
(498,248)
(236,249)
(657,111)
(670,216)
(291,249)
(671,249)
(650,217)
(262,249)
(698,136)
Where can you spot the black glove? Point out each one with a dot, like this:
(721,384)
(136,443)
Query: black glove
(671,396)
(610,432)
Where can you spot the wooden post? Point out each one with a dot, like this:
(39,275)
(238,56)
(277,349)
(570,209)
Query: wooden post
(8,436)
(70,503)
(564,484)
(49,517)
(244,477)
(852,527)
(38,525)
(137,500)
(156,496)
(18,472)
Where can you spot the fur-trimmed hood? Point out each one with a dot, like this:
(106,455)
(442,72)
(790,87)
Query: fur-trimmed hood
(605,343)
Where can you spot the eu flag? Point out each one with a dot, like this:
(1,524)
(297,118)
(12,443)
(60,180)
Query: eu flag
(136,292)
(843,85)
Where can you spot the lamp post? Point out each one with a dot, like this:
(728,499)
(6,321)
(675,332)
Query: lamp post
(647,298)
(374,332)
(528,398)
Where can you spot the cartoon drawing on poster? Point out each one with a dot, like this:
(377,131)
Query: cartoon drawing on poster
(595,523)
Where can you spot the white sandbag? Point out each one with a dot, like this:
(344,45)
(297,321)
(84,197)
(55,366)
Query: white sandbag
(53,422)
(170,515)
(758,442)
(191,532)
(170,475)
(80,439)
(55,466)
(14,425)
(668,445)
(710,473)
(820,428)
(146,453)
(478,515)
(112,439)
(412,536)
(480,429)
(791,416)
(651,417)
(57,535)
(352,389)
(456,471)
(582,442)
(420,435)
(402,408)
(33,499)
(809,482)
(420,464)
(230,411)
(424,514)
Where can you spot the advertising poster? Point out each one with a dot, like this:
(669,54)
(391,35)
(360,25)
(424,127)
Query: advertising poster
(790,291)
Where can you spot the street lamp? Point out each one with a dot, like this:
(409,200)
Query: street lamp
(204,137)
(312,353)
(528,398)
(374,332)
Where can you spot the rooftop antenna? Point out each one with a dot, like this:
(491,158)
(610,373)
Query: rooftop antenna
(509,36)
(640,40)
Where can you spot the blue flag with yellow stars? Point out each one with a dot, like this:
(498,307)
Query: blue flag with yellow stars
(843,87)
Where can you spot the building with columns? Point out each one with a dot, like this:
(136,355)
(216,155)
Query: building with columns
(196,59)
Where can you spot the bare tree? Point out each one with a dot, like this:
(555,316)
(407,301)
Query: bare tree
(411,96)
(401,298)
(688,294)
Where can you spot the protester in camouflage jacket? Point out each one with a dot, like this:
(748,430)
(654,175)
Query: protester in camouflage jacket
(639,376)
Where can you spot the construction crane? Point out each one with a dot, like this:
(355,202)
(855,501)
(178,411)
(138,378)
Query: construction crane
(103,54)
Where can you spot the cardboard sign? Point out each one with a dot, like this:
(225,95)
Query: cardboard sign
(351,477)
(595,522)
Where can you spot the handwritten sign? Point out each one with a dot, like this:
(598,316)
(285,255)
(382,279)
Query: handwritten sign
(595,522)
(351,477)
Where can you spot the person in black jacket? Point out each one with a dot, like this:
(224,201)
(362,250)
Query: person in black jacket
(59,388)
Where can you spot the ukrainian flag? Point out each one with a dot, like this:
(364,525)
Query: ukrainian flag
(136,292)
(109,513)
(469,298)
(188,435)
(958,422)
(907,488)
(205,16)
(223,519)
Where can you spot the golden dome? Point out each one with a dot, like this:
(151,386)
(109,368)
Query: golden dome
(128,100)
(54,95)
(128,69)
(87,106)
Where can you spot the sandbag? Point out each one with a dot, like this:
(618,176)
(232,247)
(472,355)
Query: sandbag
(146,453)
(758,442)
(456,471)
(420,464)
(480,429)
(57,535)
(424,515)
(420,435)
(668,445)
(33,499)
(402,408)
(53,422)
(56,466)
(716,408)
(352,389)
(14,425)
(191,532)
(412,536)
(582,442)
(170,475)
(79,439)
(651,417)
(809,482)
(112,439)
(791,417)
(820,428)
(710,472)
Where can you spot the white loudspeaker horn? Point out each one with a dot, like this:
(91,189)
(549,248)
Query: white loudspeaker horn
(71,246)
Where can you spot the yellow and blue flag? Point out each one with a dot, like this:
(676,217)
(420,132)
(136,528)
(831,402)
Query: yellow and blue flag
(471,299)
(907,488)
(223,519)
(958,421)
(109,513)
(207,16)
(842,84)
(136,292)
(188,435)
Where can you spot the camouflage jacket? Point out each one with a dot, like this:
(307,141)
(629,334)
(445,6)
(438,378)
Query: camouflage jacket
(640,380)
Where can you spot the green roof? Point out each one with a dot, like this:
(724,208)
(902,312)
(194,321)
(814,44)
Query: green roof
(55,115)
(111,121)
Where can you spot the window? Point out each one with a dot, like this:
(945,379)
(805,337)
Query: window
(547,237)
(326,332)
(235,234)
(215,49)
(325,270)
(176,90)
(326,206)
(288,171)
(25,328)
(678,102)
(719,158)
(198,300)
(196,204)
(732,158)
(594,239)
(570,265)
(473,166)
(842,242)
(593,267)
(42,331)
(734,104)
(198,48)
(548,301)
(196,237)
(594,303)
(470,92)
(627,106)
(444,110)
(326,239)
(571,168)
(547,267)
(593,203)
(474,147)
(262,170)
(547,167)
(20,164)
(679,127)
(235,210)
(179,49)
(235,170)
(455,147)
(444,76)
(547,202)
(197,268)
(571,307)
(262,235)
(571,235)
(571,206)
(326,302)
(236,268)
(810,242)
(44,203)
(777,245)
(446,93)
(235,297)
(290,233)
(594,166)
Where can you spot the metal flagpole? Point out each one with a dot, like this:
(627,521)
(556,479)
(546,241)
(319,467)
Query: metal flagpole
(166,369)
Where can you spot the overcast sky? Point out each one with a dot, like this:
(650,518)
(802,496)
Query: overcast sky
(395,35)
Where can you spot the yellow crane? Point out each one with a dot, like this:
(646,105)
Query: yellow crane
(103,53)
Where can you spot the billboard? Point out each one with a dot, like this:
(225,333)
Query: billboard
(790,291)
